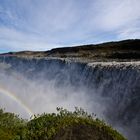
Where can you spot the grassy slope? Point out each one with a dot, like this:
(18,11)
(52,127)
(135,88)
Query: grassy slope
(64,125)
(121,50)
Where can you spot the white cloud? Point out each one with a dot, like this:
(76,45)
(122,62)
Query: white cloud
(68,22)
(11,38)
(130,33)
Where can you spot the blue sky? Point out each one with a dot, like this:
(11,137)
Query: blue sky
(45,24)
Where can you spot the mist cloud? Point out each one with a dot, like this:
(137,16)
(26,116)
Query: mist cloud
(42,95)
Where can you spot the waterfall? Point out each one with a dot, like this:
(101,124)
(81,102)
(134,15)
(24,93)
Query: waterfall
(111,90)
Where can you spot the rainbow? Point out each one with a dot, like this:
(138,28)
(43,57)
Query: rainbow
(16,99)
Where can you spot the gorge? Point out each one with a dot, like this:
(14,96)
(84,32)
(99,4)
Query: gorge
(103,79)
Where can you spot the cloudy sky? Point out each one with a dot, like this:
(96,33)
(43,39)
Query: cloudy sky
(45,24)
